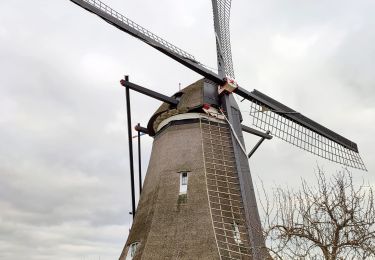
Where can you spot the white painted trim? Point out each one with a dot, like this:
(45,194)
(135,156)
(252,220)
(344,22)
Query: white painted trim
(186,116)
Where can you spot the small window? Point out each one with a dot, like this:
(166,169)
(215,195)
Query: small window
(132,250)
(236,234)
(183,182)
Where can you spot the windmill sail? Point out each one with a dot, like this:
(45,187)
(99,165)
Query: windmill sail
(125,24)
(138,30)
(221,10)
(295,128)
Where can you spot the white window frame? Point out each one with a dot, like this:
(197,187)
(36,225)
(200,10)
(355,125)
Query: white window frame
(132,251)
(184,180)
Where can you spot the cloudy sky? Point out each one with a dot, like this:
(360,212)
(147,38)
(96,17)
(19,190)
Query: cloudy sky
(64,178)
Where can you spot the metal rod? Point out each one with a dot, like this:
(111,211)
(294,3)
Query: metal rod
(128,114)
(257,145)
(149,92)
(139,161)
(141,129)
(256,132)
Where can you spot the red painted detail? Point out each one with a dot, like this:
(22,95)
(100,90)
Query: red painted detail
(206,106)
(122,82)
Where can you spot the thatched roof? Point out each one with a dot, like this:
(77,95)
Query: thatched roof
(191,98)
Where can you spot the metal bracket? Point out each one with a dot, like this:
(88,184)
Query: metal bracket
(141,129)
(258,144)
(228,87)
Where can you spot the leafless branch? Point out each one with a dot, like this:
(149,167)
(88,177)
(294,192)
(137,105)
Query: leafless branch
(332,220)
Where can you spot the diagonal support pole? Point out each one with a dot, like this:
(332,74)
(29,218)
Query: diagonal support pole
(256,132)
(257,145)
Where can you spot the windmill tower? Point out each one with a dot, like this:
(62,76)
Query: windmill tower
(198,200)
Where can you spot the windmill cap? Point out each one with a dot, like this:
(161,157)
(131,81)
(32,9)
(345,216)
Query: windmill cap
(191,99)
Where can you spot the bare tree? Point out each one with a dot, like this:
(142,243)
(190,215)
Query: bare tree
(331,220)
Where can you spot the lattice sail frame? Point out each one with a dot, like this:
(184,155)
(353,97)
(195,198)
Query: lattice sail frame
(294,133)
(221,11)
(138,28)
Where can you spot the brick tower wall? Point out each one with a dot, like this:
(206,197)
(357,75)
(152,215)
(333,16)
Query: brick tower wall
(200,224)
(167,225)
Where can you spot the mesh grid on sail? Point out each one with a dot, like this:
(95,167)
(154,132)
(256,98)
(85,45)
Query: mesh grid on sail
(292,132)
(222,18)
(139,29)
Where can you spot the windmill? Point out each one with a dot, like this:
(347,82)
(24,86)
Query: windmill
(198,200)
